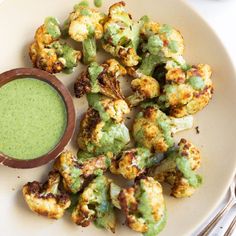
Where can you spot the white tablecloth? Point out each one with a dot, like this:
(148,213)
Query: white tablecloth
(221,15)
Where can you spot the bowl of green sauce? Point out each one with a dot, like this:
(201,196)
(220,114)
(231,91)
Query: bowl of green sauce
(37,117)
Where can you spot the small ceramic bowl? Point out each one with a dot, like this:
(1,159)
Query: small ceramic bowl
(70,126)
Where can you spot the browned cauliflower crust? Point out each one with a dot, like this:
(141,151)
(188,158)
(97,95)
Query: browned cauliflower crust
(74,171)
(94,204)
(131,163)
(46,199)
(144,206)
(101,79)
(99,137)
(152,129)
(178,169)
(145,87)
(50,54)
(187,92)
(121,35)
(90,126)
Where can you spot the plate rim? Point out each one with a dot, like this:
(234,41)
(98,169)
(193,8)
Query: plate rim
(233,174)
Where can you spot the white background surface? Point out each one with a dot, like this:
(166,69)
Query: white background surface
(221,15)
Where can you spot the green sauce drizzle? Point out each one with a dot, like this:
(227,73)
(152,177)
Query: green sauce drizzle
(94,101)
(85,12)
(154,44)
(167,29)
(113,139)
(173,46)
(184,166)
(164,123)
(154,227)
(94,71)
(98,3)
(196,82)
(52,27)
(142,157)
(81,4)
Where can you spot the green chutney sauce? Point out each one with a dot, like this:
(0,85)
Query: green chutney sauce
(33,118)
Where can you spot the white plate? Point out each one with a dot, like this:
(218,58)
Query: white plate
(18,22)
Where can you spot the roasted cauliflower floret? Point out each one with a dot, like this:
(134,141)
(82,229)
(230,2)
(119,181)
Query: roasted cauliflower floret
(50,54)
(75,171)
(154,130)
(85,25)
(187,92)
(101,79)
(46,199)
(109,109)
(144,206)
(121,35)
(94,204)
(131,163)
(145,87)
(178,169)
(99,137)
(85,22)
(162,39)
(48,32)
(160,43)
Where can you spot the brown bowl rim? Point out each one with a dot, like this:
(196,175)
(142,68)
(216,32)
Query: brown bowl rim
(19,73)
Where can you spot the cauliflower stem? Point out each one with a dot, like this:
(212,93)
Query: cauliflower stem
(154,130)
(84,25)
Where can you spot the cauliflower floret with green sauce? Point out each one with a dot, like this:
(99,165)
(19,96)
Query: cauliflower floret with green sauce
(99,137)
(154,130)
(178,169)
(75,171)
(94,204)
(48,53)
(162,39)
(109,109)
(85,25)
(101,79)
(187,92)
(121,35)
(159,44)
(131,163)
(144,206)
(47,200)
(144,88)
